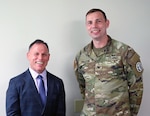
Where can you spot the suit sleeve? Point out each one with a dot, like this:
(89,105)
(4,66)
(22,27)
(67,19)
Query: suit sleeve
(12,100)
(61,110)
(134,76)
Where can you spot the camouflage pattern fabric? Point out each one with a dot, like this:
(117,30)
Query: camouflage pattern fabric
(110,82)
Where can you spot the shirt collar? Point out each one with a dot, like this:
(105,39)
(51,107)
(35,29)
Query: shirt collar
(35,74)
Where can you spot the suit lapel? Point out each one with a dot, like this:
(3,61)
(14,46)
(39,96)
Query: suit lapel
(32,87)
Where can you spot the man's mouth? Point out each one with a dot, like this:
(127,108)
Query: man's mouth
(38,62)
(95,31)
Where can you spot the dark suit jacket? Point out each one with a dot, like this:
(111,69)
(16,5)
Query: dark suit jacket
(22,98)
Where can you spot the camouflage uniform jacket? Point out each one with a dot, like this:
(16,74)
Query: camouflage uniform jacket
(111,83)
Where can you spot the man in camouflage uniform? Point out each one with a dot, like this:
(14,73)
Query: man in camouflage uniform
(109,72)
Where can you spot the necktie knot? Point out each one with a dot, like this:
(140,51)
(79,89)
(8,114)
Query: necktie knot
(41,89)
(40,77)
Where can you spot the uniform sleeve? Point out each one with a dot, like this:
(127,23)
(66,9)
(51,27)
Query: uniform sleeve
(134,76)
(80,78)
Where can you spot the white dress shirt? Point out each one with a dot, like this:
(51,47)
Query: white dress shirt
(34,76)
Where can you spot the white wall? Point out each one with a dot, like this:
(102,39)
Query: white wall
(61,24)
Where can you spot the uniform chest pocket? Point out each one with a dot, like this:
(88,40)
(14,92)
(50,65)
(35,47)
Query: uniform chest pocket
(87,70)
(110,67)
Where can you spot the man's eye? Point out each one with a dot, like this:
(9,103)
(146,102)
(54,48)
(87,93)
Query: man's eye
(89,23)
(44,55)
(98,21)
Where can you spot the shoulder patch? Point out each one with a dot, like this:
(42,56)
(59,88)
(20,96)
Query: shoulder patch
(134,61)
(139,67)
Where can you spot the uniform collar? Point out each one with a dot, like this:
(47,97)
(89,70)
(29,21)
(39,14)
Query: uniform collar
(104,50)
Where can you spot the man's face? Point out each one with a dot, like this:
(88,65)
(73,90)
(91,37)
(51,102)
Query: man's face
(96,25)
(38,57)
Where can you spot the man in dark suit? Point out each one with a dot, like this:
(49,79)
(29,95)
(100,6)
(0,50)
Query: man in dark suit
(23,93)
